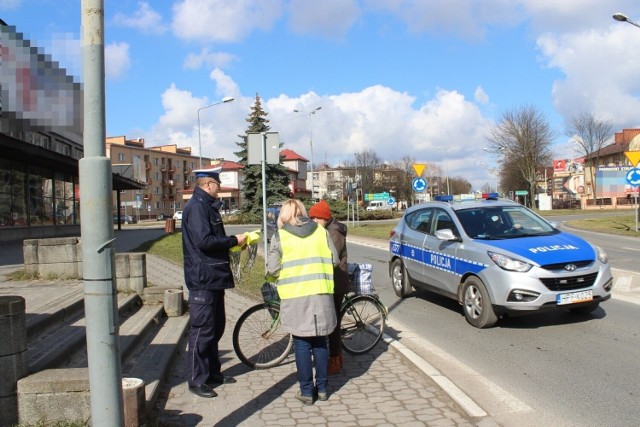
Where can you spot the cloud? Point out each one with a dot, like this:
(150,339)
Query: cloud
(117,61)
(144,19)
(225,86)
(209,59)
(329,18)
(481,96)
(600,73)
(10,4)
(222,20)
(466,19)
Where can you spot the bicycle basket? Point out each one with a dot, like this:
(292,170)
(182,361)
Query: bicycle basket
(269,292)
(360,280)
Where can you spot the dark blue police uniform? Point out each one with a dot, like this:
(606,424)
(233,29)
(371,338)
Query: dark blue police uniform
(207,274)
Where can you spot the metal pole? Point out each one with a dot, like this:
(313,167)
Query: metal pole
(98,267)
(264,197)
(199,142)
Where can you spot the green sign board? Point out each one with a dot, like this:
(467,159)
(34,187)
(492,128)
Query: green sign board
(521,192)
(376,196)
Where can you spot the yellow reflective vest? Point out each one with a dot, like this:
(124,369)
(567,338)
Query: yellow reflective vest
(307,267)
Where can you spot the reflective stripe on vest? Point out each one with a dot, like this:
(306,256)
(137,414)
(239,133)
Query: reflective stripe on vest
(307,267)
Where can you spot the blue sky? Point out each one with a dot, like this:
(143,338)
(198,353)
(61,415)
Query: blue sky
(418,78)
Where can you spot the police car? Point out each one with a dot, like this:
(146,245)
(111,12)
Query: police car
(495,256)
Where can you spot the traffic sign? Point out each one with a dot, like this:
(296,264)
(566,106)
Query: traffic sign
(419,185)
(633,177)
(391,201)
(419,168)
(634,157)
(521,192)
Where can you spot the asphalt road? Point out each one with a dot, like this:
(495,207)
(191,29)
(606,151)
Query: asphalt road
(555,368)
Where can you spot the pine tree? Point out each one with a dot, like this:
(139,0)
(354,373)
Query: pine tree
(277,178)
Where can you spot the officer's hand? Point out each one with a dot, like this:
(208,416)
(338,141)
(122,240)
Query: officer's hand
(242,239)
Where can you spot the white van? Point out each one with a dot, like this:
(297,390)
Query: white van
(376,205)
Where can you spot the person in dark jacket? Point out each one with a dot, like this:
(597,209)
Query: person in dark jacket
(321,214)
(207,274)
(302,257)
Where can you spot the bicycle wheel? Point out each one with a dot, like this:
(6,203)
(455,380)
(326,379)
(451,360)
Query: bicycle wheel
(362,321)
(258,340)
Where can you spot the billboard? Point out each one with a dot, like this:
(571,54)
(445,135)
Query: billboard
(35,93)
(568,166)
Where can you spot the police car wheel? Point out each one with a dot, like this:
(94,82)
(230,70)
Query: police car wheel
(477,305)
(584,308)
(400,279)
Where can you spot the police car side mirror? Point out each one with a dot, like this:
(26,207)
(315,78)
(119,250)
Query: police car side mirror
(447,234)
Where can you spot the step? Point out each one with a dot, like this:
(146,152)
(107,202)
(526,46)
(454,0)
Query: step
(53,347)
(59,309)
(153,364)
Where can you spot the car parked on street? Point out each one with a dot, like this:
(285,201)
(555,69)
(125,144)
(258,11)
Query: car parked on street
(495,257)
(124,219)
(178,215)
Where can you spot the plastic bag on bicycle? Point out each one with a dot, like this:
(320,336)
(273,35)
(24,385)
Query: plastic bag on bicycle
(360,280)
(269,292)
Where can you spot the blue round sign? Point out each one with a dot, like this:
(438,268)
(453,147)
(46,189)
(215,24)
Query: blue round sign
(419,185)
(633,177)
(391,201)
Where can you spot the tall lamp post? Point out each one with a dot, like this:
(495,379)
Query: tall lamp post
(223,101)
(315,110)
(623,18)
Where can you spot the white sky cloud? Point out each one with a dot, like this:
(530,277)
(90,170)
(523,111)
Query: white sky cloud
(117,61)
(329,18)
(144,19)
(222,20)
(208,59)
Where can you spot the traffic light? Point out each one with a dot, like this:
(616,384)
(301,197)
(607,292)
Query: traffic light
(549,186)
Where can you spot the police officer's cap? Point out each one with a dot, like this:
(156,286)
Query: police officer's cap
(209,173)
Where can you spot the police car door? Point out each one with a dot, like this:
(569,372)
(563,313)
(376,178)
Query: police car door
(440,255)
(418,226)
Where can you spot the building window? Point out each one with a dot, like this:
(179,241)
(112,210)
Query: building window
(156,161)
(121,157)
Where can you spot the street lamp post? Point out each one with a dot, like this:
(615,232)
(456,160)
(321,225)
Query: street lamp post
(623,18)
(223,101)
(310,142)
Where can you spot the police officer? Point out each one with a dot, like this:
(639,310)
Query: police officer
(207,274)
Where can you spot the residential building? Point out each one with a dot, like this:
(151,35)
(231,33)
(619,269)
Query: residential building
(167,171)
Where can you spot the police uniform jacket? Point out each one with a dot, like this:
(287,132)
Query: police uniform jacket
(307,310)
(205,245)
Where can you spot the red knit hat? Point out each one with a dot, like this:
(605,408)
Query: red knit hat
(320,210)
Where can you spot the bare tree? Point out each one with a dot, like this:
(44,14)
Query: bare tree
(523,139)
(402,187)
(591,134)
(367,163)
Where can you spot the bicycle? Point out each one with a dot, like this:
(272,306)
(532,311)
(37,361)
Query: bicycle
(260,343)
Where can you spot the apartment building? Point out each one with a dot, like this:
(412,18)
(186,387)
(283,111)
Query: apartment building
(166,170)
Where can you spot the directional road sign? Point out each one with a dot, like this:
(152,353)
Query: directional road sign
(419,185)
(391,201)
(633,177)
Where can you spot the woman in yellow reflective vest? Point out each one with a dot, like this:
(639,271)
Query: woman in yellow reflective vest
(302,257)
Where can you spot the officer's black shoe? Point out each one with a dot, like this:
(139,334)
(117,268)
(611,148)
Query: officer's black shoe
(202,390)
(221,379)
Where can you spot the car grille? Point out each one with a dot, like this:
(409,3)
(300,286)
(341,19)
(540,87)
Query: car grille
(569,283)
(560,265)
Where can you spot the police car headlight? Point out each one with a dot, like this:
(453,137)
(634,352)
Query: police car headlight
(508,263)
(602,255)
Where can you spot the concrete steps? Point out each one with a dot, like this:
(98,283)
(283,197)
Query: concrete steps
(149,341)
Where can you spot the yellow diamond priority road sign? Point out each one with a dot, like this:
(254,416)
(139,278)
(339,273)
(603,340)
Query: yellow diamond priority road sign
(419,168)
(633,156)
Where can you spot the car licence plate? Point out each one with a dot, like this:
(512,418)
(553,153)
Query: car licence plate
(574,297)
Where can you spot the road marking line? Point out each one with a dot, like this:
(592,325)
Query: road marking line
(512,403)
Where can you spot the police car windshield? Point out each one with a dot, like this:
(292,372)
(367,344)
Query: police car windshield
(502,222)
